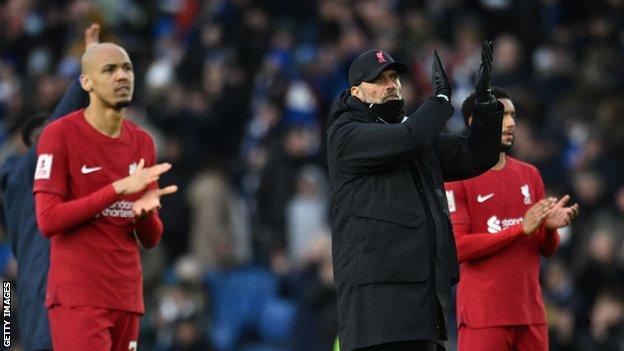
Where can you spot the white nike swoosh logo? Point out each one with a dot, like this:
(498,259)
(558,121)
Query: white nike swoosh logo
(484,197)
(87,170)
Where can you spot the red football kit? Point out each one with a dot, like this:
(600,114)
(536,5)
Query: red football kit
(499,279)
(94,256)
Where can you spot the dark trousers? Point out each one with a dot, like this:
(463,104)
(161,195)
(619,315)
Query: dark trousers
(419,345)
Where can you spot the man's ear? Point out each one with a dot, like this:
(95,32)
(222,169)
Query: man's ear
(355,91)
(85,82)
(469,121)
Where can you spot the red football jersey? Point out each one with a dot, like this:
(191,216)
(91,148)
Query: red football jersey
(499,271)
(96,263)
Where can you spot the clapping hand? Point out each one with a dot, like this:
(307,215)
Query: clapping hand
(141,178)
(439,81)
(483,79)
(561,216)
(150,201)
(536,215)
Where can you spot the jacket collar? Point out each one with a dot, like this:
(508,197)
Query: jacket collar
(358,105)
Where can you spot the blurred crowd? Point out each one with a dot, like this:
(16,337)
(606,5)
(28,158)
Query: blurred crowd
(236,94)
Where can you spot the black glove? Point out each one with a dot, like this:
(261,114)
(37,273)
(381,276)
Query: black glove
(439,81)
(483,79)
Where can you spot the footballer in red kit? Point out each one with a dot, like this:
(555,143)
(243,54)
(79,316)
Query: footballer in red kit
(97,199)
(502,225)
(104,246)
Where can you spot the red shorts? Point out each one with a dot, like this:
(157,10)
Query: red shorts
(92,328)
(533,337)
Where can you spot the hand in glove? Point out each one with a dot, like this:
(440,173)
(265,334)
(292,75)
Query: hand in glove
(483,79)
(439,81)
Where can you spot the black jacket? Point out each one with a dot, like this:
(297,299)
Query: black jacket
(393,248)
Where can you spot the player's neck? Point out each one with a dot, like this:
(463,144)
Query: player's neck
(105,120)
(501,162)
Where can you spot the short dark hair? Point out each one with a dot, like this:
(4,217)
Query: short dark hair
(30,125)
(468,105)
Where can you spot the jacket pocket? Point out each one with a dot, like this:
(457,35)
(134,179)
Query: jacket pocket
(391,245)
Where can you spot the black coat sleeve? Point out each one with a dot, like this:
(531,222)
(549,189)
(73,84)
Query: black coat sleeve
(466,157)
(74,98)
(362,148)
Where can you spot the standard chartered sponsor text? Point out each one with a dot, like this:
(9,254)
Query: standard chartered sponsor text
(495,225)
(121,209)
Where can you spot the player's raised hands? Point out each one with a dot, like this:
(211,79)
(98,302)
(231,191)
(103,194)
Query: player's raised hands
(92,36)
(534,217)
(141,178)
(561,216)
(150,201)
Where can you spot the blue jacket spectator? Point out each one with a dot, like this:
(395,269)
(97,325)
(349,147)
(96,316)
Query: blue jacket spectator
(30,248)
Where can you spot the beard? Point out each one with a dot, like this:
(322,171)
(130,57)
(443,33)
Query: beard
(115,105)
(506,147)
(392,95)
(121,104)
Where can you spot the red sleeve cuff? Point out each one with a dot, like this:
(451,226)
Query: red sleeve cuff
(149,230)
(516,230)
(109,194)
(550,242)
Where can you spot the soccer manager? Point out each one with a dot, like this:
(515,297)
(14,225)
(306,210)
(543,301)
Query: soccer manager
(393,248)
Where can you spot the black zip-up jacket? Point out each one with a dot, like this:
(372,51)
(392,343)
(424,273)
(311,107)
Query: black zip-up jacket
(393,248)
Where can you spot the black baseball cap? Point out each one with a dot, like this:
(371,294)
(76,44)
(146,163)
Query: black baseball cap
(370,64)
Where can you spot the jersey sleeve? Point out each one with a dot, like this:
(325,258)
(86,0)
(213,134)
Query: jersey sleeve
(54,215)
(474,246)
(51,171)
(548,240)
(149,230)
(458,207)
